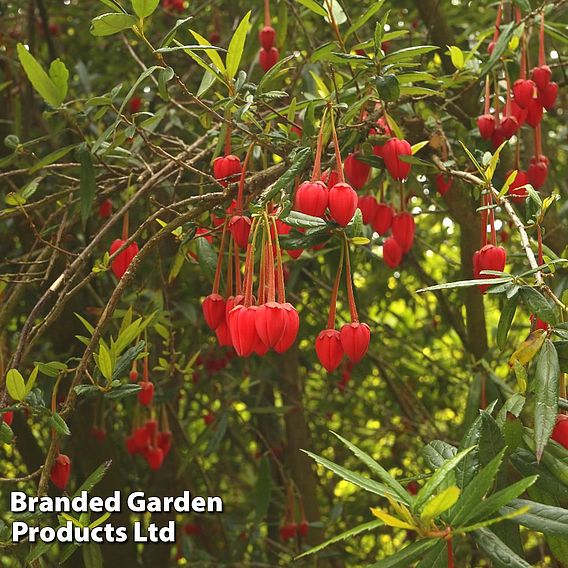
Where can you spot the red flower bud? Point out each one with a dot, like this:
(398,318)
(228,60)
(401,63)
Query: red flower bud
(155,458)
(560,432)
(135,104)
(60,471)
(356,171)
(312,198)
(547,95)
(486,125)
(214,310)
(105,209)
(303,528)
(490,47)
(239,225)
(392,151)
(368,206)
(498,136)
(516,190)
(490,257)
(519,113)
(141,438)
(287,532)
(392,253)
(151,427)
(383,218)
(291,329)
(524,90)
(534,113)
(342,203)
(355,338)
(165,442)
(146,395)
(329,349)
(209,418)
(214,37)
(539,323)
(226,169)
(270,322)
(268,58)
(541,76)
(267,35)
(403,228)
(443,184)
(224,335)
(121,263)
(131,445)
(509,125)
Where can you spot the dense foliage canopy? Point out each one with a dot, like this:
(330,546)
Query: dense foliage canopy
(172,198)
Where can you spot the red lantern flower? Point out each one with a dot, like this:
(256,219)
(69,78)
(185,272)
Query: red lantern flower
(368,206)
(356,171)
(268,58)
(486,125)
(266,36)
(392,150)
(105,209)
(329,349)
(538,171)
(214,307)
(541,75)
(7,417)
(239,225)
(312,198)
(146,394)
(121,263)
(355,338)
(403,228)
(560,432)
(490,257)
(534,113)
(60,471)
(383,218)
(547,95)
(524,90)
(443,184)
(509,125)
(287,531)
(517,190)
(243,329)
(392,253)
(226,169)
(342,203)
(155,458)
(291,329)
(330,178)
(135,104)
(270,322)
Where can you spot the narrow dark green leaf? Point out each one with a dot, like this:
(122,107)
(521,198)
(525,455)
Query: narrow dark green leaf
(537,304)
(405,557)
(94,478)
(206,257)
(88,185)
(546,381)
(497,550)
(499,48)
(543,518)
(506,320)
(60,425)
(112,23)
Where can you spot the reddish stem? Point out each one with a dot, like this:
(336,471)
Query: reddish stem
(238,288)
(228,141)
(349,283)
(487,95)
(316,172)
(498,22)
(538,140)
(338,162)
(280,283)
(242,180)
(541,54)
(229,286)
(334,292)
(125,227)
(450,553)
(484,214)
(266,12)
(145,373)
(217,278)
(524,56)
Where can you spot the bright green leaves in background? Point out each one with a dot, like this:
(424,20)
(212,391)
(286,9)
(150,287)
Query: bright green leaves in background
(52,86)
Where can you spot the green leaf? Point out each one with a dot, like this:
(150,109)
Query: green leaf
(363,482)
(362,20)
(497,550)
(314,7)
(144,8)
(476,490)
(211,53)
(546,381)
(51,158)
(51,92)
(88,185)
(407,556)
(236,47)
(105,362)
(263,490)
(388,87)
(60,77)
(206,257)
(407,53)
(371,525)
(499,48)
(297,219)
(94,478)
(15,385)
(506,320)
(286,180)
(60,425)
(383,474)
(490,170)
(122,391)
(112,23)
(466,283)
(92,555)
(456,55)
(440,503)
(438,478)
(6,434)
(537,304)
(123,362)
(171,34)
(437,452)
(543,518)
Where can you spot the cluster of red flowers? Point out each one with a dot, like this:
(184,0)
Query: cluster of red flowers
(173,5)
(268,54)
(150,442)
(525,103)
